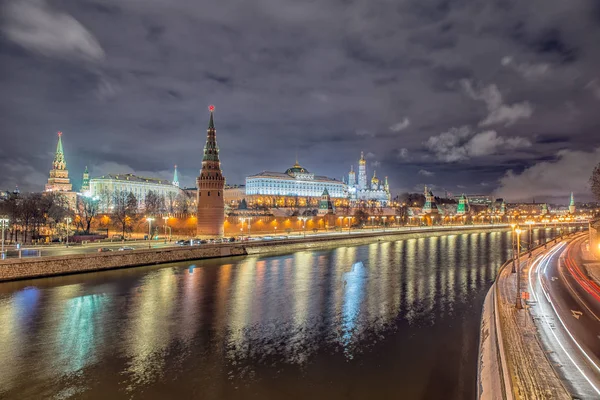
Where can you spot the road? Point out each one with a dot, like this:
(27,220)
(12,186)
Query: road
(565,308)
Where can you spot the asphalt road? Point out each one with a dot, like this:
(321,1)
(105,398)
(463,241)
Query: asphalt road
(566,315)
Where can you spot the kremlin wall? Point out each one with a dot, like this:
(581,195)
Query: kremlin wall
(278,203)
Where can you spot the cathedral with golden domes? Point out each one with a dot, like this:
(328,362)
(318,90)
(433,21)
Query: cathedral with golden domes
(360,191)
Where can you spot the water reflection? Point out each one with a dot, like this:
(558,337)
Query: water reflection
(364,320)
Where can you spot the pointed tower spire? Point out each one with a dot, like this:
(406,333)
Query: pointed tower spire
(211,123)
(176,176)
(572,204)
(210,183)
(85,183)
(59,176)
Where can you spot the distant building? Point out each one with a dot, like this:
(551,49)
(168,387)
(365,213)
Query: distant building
(377,192)
(463,205)
(572,204)
(234,194)
(430,206)
(282,188)
(175,177)
(85,183)
(106,186)
(325,205)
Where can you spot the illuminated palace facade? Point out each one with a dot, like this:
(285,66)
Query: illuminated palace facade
(360,191)
(294,187)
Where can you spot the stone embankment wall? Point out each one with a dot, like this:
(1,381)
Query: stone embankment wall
(13,269)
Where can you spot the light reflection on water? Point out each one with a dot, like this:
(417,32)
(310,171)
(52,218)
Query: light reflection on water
(348,322)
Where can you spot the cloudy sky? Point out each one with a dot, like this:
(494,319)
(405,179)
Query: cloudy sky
(490,96)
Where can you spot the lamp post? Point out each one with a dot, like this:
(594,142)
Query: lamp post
(149,219)
(372,223)
(4,222)
(530,223)
(68,219)
(166,219)
(384,218)
(349,224)
(518,304)
(303,219)
(512,247)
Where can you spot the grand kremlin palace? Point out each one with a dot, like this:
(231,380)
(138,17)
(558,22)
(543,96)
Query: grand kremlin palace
(294,187)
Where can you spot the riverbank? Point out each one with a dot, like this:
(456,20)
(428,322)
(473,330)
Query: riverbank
(16,269)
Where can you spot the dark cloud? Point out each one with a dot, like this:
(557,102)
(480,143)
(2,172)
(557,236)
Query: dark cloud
(129,82)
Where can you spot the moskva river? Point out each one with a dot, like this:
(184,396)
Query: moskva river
(389,320)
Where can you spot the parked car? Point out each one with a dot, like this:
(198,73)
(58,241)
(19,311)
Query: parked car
(183,242)
(103,249)
(231,239)
(125,248)
(180,242)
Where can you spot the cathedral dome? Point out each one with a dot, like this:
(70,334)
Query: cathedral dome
(296,169)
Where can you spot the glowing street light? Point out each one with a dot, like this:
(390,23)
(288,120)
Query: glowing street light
(303,219)
(4,222)
(372,223)
(518,303)
(68,223)
(149,219)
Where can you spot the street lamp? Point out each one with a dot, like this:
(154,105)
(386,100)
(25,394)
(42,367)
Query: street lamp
(518,304)
(303,219)
(384,218)
(166,219)
(372,223)
(4,222)
(149,219)
(68,223)
(512,247)
(530,223)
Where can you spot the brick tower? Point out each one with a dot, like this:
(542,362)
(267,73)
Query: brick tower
(211,207)
(59,176)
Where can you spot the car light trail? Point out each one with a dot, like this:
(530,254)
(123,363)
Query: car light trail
(544,261)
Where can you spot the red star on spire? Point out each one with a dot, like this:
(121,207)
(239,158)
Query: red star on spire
(211,108)
(59,133)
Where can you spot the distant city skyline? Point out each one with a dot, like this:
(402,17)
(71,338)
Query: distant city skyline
(325,81)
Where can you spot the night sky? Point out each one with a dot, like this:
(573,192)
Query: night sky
(490,96)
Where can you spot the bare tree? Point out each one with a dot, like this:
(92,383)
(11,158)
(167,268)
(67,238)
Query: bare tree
(183,203)
(170,201)
(153,203)
(124,209)
(87,208)
(595,182)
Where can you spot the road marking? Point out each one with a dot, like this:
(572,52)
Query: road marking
(554,278)
(576,314)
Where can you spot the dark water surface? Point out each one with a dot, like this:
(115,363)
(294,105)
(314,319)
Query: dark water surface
(379,321)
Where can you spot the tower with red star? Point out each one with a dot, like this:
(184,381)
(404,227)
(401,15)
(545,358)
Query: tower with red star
(59,175)
(211,206)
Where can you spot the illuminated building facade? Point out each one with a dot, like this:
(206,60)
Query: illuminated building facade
(295,186)
(106,186)
(377,192)
(210,183)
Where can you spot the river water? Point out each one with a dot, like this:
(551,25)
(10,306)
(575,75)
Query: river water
(379,321)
